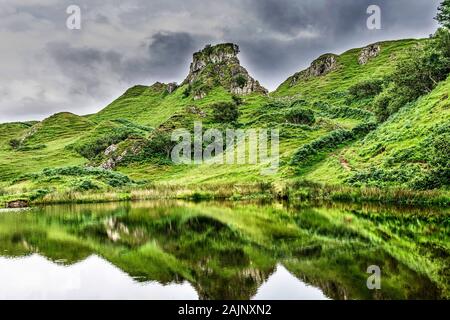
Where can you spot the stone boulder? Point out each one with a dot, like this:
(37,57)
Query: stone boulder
(318,68)
(369,53)
(17,204)
(171,87)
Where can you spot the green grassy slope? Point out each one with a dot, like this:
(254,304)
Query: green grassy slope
(59,126)
(400,147)
(42,145)
(332,87)
(66,139)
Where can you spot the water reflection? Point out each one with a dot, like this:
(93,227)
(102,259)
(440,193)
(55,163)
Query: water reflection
(35,277)
(178,250)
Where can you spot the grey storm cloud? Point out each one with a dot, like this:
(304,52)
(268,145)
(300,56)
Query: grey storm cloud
(47,68)
(166,56)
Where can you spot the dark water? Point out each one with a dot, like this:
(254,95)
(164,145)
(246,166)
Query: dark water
(179,250)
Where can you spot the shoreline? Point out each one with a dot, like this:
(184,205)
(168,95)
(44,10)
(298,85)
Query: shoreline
(298,192)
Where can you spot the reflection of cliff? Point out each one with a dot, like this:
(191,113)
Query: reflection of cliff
(242,285)
(341,278)
(225,252)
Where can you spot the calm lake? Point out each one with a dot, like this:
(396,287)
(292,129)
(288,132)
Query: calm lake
(212,250)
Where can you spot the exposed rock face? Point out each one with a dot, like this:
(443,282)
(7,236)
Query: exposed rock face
(17,204)
(164,87)
(369,53)
(112,148)
(113,159)
(171,87)
(219,65)
(319,67)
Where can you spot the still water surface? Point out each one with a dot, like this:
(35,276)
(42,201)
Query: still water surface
(180,250)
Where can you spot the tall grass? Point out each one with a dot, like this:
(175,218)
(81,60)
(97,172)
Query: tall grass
(164,191)
(304,190)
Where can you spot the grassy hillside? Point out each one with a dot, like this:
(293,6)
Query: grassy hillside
(323,122)
(400,152)
(333,87)
(144,105)
(40,145)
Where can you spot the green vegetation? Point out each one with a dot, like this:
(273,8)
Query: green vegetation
(415,76)
(106,134)
(212,244)
(382,124)
(443,15)
(301,116)
(225,112)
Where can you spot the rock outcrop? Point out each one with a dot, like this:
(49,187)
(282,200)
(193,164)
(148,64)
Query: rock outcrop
(171,87)
(164,87)
(17,204)
(219,66)
(112,157)
(369,53)
(319,67)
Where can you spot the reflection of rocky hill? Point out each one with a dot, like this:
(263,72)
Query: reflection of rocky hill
(241,286)
(227,252)
(337,283)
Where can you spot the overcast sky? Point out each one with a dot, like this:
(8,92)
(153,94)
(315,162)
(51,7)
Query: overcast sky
(46,68)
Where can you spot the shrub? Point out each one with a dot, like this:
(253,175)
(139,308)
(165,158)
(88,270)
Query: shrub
(443,16)
(241,80)
(433,179)
(330,141)
(366,89)
(415,75)
(114,179)
(40,193)
(14,143)
(440,150)
(237,100)
(274,105)
(225,112)
(86,185)
(91,147)
(159,144)
(186,91)
(300,116)
(32,147)
(390,101)
(345,112)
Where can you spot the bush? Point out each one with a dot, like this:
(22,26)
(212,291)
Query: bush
(86,185)
(91,147)
(345,112)
(225,112)
(301,116)
(415,75)
(114,179)
(390,101)
(14,143)
(186,91)
(159,145)
(330,141)
(434,179)
(241,80)
(40,193)
(366,89)
(237,100)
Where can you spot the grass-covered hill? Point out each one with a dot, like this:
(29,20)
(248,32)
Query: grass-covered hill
(411,149)
(331,132)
